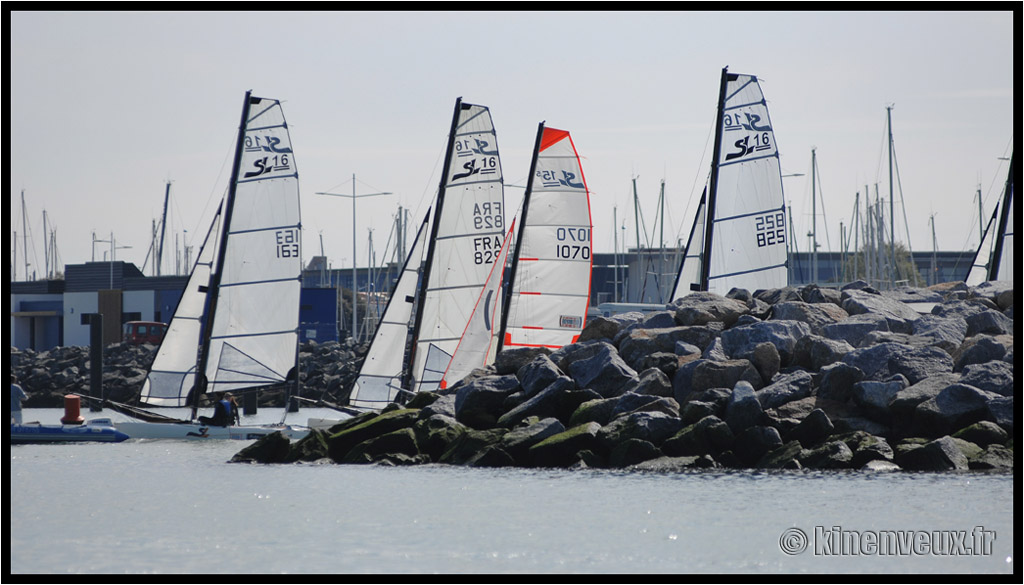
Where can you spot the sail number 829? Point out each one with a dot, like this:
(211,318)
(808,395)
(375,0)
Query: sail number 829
(770,229)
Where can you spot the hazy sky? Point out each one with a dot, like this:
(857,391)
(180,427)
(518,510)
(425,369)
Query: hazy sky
(106,107)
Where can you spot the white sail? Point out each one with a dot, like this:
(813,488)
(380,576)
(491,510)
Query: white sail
(979,267)
(552,267)
(479,341)
(688,278)
(379,380)
(745,244)
(467,235)
(173,370)
(254,336)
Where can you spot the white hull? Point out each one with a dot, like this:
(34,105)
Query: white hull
(152,430)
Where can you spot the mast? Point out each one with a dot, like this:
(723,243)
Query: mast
(432,242)
(24,233)
(215,276)
(661,238)
(1004,214)
(814,219)
(892,210)
(163,228)
(705,269)
(519,239)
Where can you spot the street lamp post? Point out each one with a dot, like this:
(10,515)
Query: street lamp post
(355,288)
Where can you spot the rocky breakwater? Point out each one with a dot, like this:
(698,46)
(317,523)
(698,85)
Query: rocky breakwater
(787,378)
(326,372)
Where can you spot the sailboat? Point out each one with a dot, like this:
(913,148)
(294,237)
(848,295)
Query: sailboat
(998,238)
(738,239)
(548,288)
(444,272)
(236,326)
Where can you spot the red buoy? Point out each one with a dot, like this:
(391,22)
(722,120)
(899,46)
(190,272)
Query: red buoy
(72,408)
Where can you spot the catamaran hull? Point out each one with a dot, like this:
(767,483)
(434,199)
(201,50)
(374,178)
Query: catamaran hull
(90,432)
(196,431)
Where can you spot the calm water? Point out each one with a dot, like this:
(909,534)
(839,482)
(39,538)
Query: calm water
(178,507)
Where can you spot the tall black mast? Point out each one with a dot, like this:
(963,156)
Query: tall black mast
(1004,214)
(425,277)
(519,238)
(709,213)
(215,276)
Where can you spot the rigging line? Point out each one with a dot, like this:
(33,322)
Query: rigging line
(906,224)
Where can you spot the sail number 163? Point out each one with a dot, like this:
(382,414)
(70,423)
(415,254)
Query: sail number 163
(287,243)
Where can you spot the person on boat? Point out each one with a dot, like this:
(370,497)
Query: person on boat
(225,412)
(17,397)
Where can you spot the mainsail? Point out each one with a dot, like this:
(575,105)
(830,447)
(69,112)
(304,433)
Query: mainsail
(551,267)
(242,302)
(466,238)
(744,228)
(379,380)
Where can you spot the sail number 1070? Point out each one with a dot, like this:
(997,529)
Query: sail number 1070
(573,243)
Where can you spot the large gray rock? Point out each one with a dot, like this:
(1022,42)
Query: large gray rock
(831,455)
(875,396)
(983,434)
(563,449)
(709,435)
(782,334)
(754,442)
(603,372)
(537,375)
(837,381)
(547,403)
(815,352)
(718,307)
(630,402)
(990,322)
(654,427)
(939,455)
(812,430)
(785,388)
(479,404)
(518,441)
(743,409)
(636,345)
(954,408)
(992,376)
(436,433)
(946,333)
(817,315)
(855,328)
(508,361)
(708,374)
(978,350)
(905,402)
(882,361)
(898,315)
(651,381)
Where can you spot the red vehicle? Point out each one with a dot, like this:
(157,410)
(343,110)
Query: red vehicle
(138,332)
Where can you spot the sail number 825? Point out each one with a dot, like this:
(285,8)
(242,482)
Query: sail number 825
(770,229)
